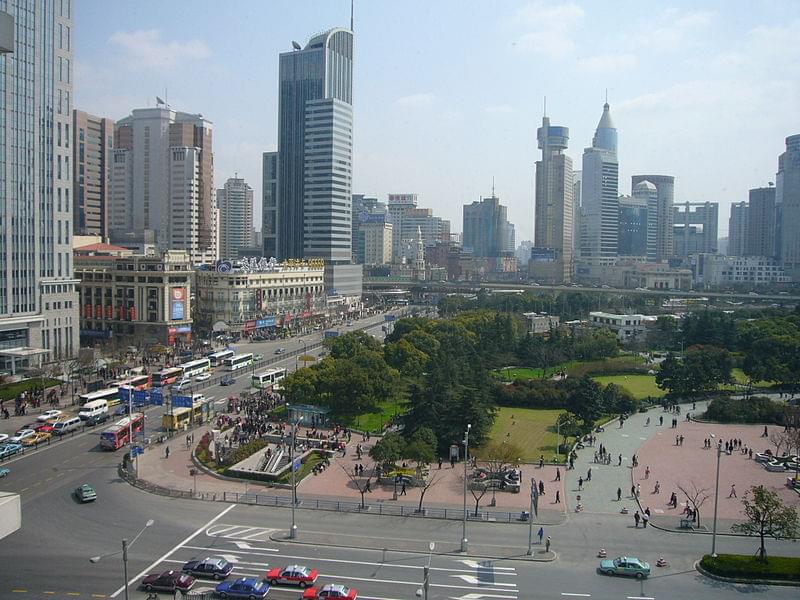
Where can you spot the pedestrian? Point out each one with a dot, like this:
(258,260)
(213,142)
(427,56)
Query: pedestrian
(647,472)
(558,474)
(580,483)
(647,423)
(452,462)
(440,463)
(547,544)
(368,488)
(558,496)
(589,474)
(661,420)
(633,491)
(540,534)
(636,518)
(749,453)
(638,490)
(166,452)
(541,461)
(403,489)
(733,491)
(657,489)
(765,434)
(645,519)
(681,438)
(619,464)
(619,494)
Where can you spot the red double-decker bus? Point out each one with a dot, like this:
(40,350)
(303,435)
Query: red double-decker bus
(137,382)
(119,434)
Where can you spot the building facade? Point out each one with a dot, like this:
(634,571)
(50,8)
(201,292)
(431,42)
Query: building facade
(162,181)
(92,144)
(398,205)
(738,228)
(269,206)
(38,301)
(716,270)
(485,230)
(235,203)
(365,210)
(761,222)
(665,198)
(134,299)
(626,327)
(632,235)
(540,323)
(694,228)
(788,202)
(377,237)
(554,203)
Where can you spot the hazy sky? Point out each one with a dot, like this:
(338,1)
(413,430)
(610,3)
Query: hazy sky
(448,94)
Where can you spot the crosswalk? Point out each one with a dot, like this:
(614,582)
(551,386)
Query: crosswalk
(240,532)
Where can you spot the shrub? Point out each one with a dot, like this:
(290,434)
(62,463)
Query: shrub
(532,393)
(756,409)
(749,567)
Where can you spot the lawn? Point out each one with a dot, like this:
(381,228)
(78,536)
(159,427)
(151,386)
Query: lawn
(529,429)
(742,379)
(375,421)
(641,386)
(523,373)
(9,391)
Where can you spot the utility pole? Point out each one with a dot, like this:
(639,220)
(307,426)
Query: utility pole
(464,541)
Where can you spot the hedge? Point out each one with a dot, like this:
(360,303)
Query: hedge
(741,566)
(756,409)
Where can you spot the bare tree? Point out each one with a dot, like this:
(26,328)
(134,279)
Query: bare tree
(696,496)
(493,460)
(427,484)
(363,484)
(781,440)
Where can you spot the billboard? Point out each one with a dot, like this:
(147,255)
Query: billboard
(543,254)
(178,304)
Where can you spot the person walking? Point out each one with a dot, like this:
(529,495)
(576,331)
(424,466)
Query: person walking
(657,489)
(547,544)
(166,452)
(619,463)
(403,489)
(636,519)
(440,463)
(633,491)
(733,491)
(558,496)
(541,461)
(645,519)
(589,474)
(540,534)
(558,474)
(580,483)
(619,494)
(638,490)
(647,472)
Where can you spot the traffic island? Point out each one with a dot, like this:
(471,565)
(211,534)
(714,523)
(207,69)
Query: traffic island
(739,568)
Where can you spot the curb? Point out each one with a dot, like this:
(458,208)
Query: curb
(710,575)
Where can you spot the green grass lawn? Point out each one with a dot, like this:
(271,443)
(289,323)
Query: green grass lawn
(742,379)
(523,373)
(9,391)
(530,430)
(641,386)
(375,421)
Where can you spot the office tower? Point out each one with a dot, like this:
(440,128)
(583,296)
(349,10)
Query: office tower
(92,142)
(485,227)
(162,181)
(600,192)
(632,226)
(761,222)
(269,207)
(235,203)
(38,300)
(377,242)
(554,209)
(511,244)
(315,147)
(367,212)
(694,228)
(647,194)
(576,213)
(788,201)
(398,205)
(737,229)
(665,188)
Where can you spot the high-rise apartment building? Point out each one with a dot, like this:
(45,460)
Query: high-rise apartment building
(554,205)
(367,211)
(737,229)
(761,222)
(38,298)
(377,237)
(577,180)
(787,198)
(600,192)
(398,205)
(485,227)
(694,228)
(632,226)
(665,189)
(269,206)
(162,181)
(92,142)
(235,204)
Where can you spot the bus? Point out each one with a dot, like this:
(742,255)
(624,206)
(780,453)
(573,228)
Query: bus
(240,361)
(195,367)
(137,382)
(217,358)
(167,376)
(119,434)
(107,394)
(268,378)
(179,419)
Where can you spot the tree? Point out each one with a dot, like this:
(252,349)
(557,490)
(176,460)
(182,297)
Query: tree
(766,516)
(494,461)
(388,450)
(361,482)
(352,343)
(781,440)
(673,377)
(406,358)
(427,484)
(567,426)
(300,387)
(585,401)
(696,496)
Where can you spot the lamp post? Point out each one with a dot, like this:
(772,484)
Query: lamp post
(293,530)
(716,501)
(125,546)
(464,541)
(426,574)
(534,510)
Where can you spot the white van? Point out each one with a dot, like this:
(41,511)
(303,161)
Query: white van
(93,409)
(182,385)
(67,425)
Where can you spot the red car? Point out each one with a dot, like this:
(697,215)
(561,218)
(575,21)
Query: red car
(292,575)
(43,427)
(332,590)
(168,581)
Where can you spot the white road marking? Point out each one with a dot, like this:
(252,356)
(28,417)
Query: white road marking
(476,565)
(625,435)
(170,553)
(478,596)
(642,438)
(220,529)
(641,598)
(475,581)
(577,595)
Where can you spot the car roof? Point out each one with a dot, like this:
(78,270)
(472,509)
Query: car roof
(335,587)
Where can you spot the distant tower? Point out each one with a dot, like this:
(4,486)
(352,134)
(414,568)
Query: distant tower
(419,254)
(664,214)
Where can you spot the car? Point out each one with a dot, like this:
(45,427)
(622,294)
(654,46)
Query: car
(4,472)
(280,350)
(292,575)
(85,493)
(216,568)
(627,566)
(49,414)
(349,323)
(244,587)
(258,357)
(203,377)
(3,437)
(182,385)
(96,419)
(42,427)
(228,380)
(36,438)
(168,581)
(21,435)
(331,590)
(9,449)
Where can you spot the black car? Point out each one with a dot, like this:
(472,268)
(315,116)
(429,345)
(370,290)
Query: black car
(96,420)
(215,568)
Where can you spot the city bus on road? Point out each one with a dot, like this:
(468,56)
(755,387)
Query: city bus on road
(217,358)
(137,382)
(267,379)
(195,367)
(167,376)
(239,361)
(119,434)
(180,419)
(107,394)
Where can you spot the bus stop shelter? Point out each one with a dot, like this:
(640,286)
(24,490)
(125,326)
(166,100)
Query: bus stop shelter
(309,415)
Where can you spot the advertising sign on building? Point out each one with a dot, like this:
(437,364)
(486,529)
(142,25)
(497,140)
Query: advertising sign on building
(178,303)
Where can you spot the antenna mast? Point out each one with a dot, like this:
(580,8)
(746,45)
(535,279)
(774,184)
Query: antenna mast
(351,15)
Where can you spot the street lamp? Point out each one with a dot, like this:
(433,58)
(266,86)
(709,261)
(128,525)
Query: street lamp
(293,530)
(426,574)
(464,542)
(716,501)
(125,546)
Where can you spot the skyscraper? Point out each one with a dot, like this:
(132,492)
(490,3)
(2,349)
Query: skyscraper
(665,188)
(737,229)
(761,223)
(788,201)
(632,226)
(553,224)
(235,203)
(92,142)
(485,227)
(162,181)
(647,194)
(694,228)
(269,207)
(38,301)
(600,192)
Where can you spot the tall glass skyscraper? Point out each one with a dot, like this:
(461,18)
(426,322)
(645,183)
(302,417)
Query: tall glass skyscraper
(787,199)
(38,301)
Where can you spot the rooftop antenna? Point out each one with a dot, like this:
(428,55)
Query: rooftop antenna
(493,186)
(351,15)
(606,95)
(545,106)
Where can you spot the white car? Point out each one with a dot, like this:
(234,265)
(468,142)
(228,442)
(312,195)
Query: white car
(21,435)
(203,377)
(49,414)
(3,437)
(182,384)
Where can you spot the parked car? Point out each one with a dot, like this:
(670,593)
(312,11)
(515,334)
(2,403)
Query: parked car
(3,437)
(332,590)
(244,587)
(628,566)
(9,449)
(49,414)
(229,380)
(85,493)
(216,568)
(258,357)
(4,472)
(41,427)
(203,377)
(168,581)
(21,435)
(292,575)
(36,438)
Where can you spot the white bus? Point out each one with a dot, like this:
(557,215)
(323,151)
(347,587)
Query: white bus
(240,361)
(268,378)
(107,394)
(217,358)
(195,367)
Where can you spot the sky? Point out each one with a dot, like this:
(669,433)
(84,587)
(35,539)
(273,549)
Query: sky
(448,94)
